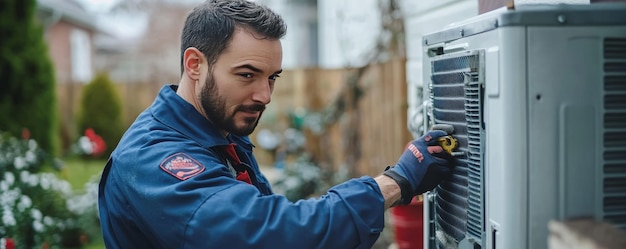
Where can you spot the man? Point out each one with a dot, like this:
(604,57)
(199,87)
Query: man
(184,176)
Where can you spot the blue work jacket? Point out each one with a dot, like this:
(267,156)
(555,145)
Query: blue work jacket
(165,186)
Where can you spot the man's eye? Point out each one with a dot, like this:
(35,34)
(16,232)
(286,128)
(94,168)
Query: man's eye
(274,77)
(246,75)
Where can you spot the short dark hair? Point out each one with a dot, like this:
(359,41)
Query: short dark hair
(209,27)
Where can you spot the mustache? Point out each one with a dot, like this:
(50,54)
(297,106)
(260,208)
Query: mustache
(251,108)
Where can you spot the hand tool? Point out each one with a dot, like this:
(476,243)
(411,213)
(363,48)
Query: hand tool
(448,143)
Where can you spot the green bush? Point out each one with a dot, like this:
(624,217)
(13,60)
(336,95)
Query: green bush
(101,110)
(28,97)
(38,209)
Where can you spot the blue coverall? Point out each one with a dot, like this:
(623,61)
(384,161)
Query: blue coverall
(165,186)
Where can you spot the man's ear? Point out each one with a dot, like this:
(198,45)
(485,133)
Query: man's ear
(192,62)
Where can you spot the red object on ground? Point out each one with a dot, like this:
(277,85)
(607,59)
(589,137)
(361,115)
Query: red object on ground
(408,222)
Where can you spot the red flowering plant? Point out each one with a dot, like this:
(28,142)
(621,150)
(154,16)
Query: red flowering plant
(7,243)
(90,144)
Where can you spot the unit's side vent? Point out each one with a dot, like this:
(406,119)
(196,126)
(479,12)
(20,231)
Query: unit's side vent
(614,181)
(473,117)
(456,94)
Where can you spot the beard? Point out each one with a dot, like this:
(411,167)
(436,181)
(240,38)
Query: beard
(214,107)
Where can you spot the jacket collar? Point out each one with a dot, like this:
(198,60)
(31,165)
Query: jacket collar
(175,112)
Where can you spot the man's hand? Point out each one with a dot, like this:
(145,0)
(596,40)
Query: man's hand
(422,166)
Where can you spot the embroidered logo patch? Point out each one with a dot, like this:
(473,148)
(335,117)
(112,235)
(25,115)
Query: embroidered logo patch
(182,166)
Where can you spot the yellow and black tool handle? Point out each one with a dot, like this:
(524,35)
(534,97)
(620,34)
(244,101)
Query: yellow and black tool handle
(448,143)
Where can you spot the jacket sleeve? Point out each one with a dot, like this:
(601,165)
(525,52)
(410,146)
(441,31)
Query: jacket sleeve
(350,215)
(214,210)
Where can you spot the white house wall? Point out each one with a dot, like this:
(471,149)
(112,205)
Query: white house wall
(348,32)
(300,42)
(420,18)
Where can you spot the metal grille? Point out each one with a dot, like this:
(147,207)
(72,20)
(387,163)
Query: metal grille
(614,181)
(456,94)
(473,115)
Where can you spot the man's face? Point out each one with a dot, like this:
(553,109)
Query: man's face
(240,84)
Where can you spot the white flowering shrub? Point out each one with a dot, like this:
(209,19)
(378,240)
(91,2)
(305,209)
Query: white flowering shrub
(299,180)
(85,205)
(34,210)
(303,179)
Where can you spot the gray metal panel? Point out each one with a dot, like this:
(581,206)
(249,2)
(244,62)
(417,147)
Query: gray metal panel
(477,25)
(506,133)
(461,31)
(555,108)
(597,14)
(564,87)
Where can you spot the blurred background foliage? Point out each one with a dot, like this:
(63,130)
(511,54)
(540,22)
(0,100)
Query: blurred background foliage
(101,110)
(326,121)
(39,207)
(28,99)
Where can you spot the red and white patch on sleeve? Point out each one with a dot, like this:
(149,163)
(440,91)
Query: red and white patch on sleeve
(182,166)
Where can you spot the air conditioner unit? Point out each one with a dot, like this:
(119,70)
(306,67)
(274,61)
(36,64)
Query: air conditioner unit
(537,97)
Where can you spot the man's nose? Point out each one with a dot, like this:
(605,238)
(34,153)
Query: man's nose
(262,93)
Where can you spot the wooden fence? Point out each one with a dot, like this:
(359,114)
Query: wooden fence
(365,110)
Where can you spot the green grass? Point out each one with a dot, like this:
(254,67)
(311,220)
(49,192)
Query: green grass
(78,172)
(96,244)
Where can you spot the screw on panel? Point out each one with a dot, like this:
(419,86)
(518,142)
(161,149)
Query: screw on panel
(425,41)
(561,19)
(461,32)
(430,196)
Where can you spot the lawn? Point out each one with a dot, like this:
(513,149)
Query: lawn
(78,172)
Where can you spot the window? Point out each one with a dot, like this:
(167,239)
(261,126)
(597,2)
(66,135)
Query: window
(80,47)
